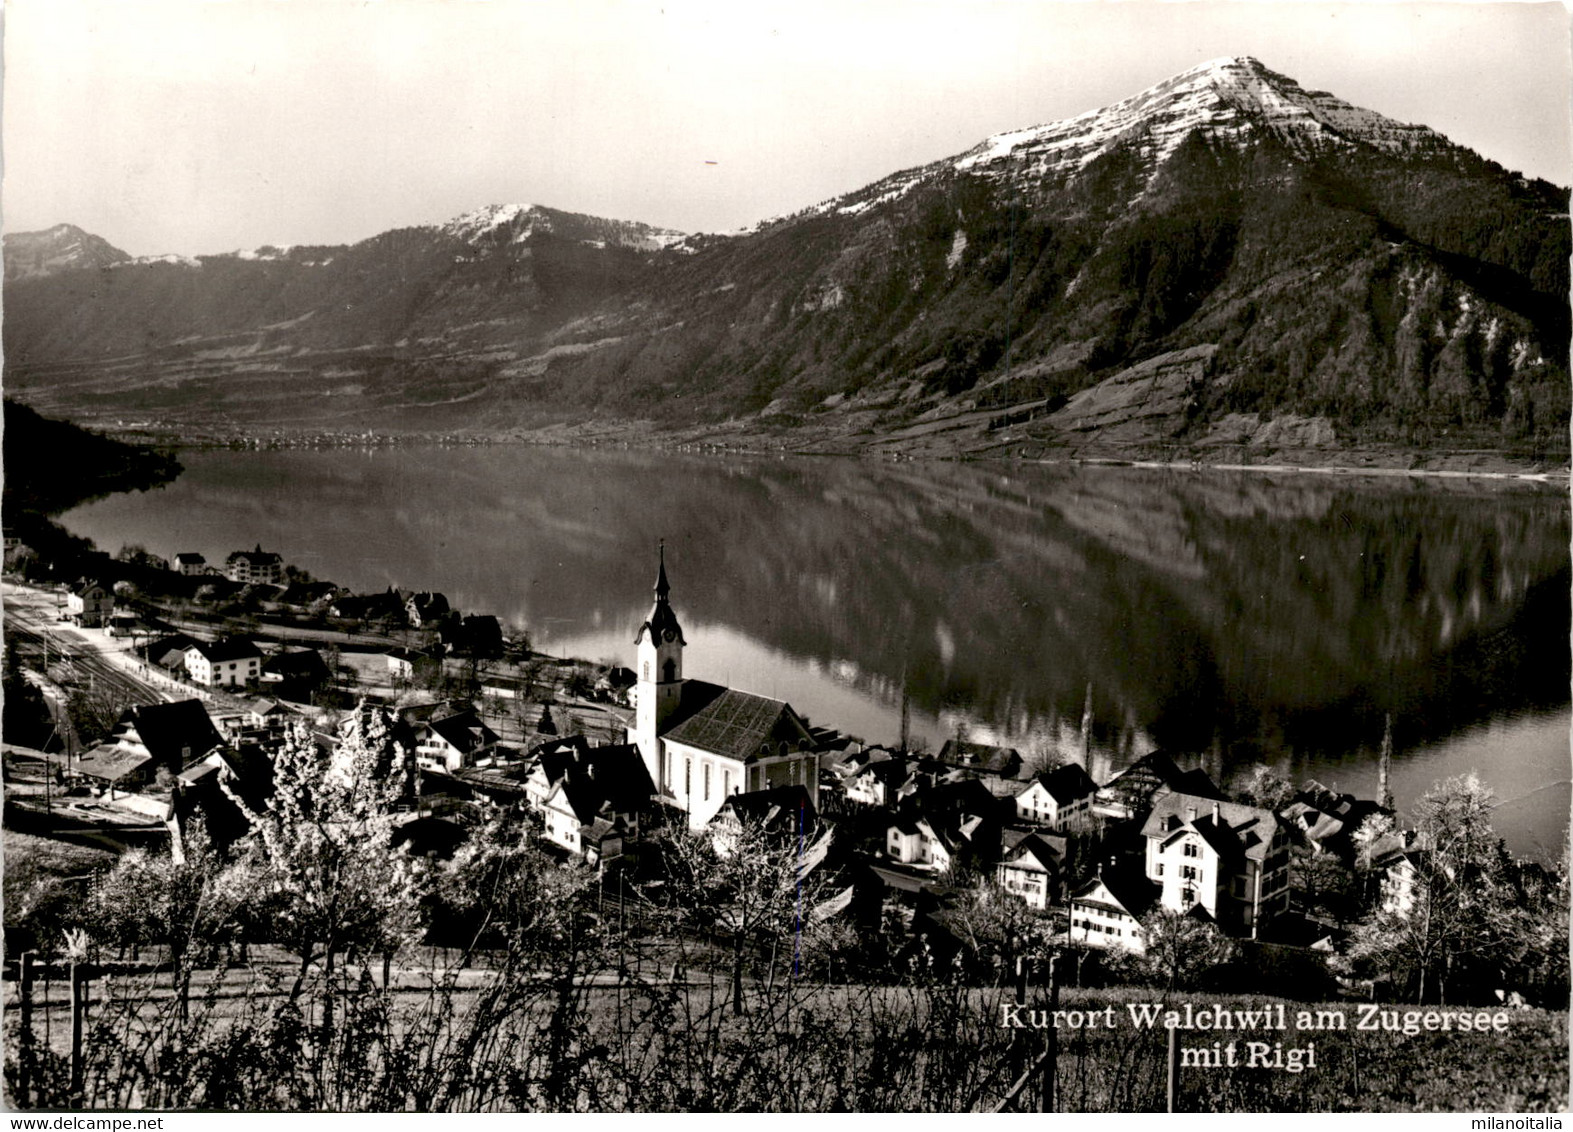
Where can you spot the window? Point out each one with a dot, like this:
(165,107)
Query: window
(688,777)
(1188,872)
(726,782)
(707,782)
(1160,868)
(1192,849)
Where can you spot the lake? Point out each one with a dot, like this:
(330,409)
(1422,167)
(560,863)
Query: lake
(1231,617)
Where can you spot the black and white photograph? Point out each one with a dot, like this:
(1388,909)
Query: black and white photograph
(651,556)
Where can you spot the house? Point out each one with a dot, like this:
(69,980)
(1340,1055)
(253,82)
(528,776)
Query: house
(703,742)
(294,674)
(228,790)
(385,607)
(1107,910)
(455,740)
(231,662)
(784,814)
(1399,859)
(598,805)
(424,609)
(1231,859)
(1058,797)
(944,824)
(251,566)
(114,767)
(1031,866)
(190,564)
(90,603)
(549,762)
(616,685)
(980,759)
(1149,778)
(172,735)
(887,782)
(303,597)
(1326,820)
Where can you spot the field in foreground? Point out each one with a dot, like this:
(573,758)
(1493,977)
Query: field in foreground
(478,1040)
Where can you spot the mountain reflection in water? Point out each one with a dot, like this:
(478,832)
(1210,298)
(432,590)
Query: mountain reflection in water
(1236,616)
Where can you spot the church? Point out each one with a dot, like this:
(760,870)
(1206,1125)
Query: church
(702,742)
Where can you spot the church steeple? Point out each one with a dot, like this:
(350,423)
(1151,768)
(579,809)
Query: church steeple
(662,587)
(658,691)
(662,623)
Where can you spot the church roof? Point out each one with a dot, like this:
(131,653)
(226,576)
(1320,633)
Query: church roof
(737,724)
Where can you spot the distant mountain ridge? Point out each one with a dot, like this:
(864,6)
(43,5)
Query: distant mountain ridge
(1226,260)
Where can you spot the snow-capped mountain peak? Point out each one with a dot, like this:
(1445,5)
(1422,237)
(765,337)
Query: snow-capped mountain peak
(482,221)
(64,247)
(1223,98)
(522,221)
(1226,99)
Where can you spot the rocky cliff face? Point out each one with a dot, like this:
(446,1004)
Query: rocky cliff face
(1237,246)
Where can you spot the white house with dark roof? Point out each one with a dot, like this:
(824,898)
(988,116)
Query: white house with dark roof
(1058,797)
(1107,910)
(227,663)
(454,741)
(703,742)
(1030,868)
(1231,859)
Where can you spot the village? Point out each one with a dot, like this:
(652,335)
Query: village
(599,761)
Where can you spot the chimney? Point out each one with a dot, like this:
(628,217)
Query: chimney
(1190,813)
(1215,812)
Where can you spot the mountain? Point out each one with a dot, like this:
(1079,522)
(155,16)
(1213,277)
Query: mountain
(1224,263)
(65,247)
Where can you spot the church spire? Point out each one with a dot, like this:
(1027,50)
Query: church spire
(662,623)
(662,587)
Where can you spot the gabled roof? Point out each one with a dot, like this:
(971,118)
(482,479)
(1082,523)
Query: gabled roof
(1236,831)
(780,808)
(891,772)
(231,648)
(258,557)
(110,764)
(300,664)
(1118,891)
(190,558)
(1146,774)
(167,730)
(736,724)
(1068,783)
(250,774)
(464,731)
(619,773)
(1044,851)
(1198,784)
(981,757)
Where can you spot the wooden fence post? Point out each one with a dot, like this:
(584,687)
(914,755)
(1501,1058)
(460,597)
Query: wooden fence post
(78,1010)
(1174,1066)
(1052,1040)
(24,1058)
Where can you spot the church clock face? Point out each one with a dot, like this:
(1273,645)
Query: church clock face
(670,636)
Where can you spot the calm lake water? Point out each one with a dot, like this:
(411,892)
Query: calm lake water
(1235,617)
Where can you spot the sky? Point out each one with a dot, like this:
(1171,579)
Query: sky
(203,127)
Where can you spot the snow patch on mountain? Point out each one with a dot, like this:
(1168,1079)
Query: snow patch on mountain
(169,257)
(1225,98)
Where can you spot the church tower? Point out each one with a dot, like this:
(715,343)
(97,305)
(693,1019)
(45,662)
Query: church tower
(660,674)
